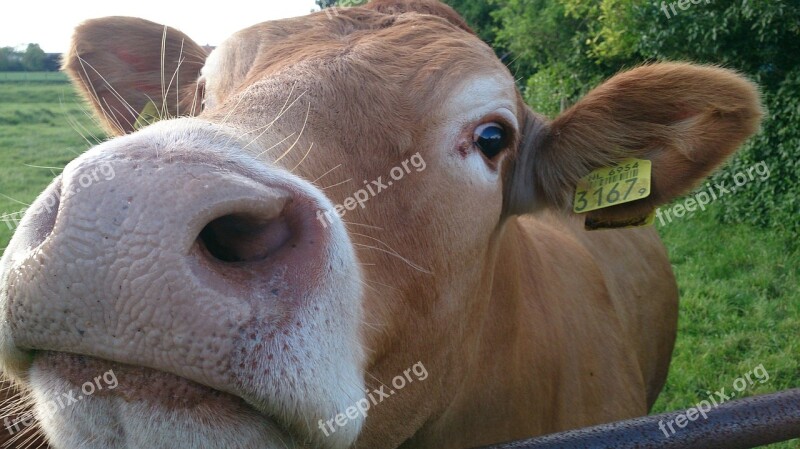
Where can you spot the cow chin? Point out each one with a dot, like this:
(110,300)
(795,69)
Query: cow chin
(132,407)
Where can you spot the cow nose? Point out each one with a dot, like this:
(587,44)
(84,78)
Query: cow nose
(162,261)
(245,237)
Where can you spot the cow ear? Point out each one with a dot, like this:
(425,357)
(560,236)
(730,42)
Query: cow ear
(685,119)
(122,64)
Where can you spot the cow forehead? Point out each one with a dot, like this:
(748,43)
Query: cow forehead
(428,55)
(481,94)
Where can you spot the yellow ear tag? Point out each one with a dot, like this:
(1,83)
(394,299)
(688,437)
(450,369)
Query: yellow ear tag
(610,186)
(150,114)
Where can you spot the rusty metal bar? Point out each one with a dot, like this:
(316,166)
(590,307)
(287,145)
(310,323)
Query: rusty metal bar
(738,424)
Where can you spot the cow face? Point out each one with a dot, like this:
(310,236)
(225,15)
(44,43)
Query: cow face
(325,215)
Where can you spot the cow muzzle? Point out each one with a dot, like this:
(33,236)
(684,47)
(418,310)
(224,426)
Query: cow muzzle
(173,251)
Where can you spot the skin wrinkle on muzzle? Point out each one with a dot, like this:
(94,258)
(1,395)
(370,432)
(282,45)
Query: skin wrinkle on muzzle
(105,241)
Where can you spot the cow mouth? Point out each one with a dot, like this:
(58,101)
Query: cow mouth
(68,387)
(128,382)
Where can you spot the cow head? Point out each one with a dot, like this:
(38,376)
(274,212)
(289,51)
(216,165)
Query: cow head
(324,216)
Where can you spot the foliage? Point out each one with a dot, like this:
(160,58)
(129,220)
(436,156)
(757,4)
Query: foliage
(33,59)
(322,4)
(479,16)
(776,202)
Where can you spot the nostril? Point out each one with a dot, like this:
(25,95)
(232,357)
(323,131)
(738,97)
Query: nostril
(242,237)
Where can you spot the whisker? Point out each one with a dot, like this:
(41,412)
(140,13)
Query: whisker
(379,241)
(74,124)
(118,112)
(373,239)
(305,122)
(178,81)
(376,379)
(92,118)
(88,85)
(228,115)
(323,175)
(270,148)
(386,285)
(196,95)
(337,184)
(304,158)
(269,125)
(406,261)
(14,200)
(163,57)
(113,91)
(280,113)
(44,167)
(361,224)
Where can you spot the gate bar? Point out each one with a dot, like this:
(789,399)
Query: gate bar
(737,424)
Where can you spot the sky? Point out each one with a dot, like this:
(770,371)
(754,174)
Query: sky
(49,23)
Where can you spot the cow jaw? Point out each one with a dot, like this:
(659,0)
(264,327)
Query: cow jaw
(279,334)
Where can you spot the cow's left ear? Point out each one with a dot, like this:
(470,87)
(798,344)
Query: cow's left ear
(122,64)
(686,119)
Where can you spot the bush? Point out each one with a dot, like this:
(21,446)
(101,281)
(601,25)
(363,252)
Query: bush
(776,201)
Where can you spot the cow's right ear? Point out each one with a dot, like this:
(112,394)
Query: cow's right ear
(685,119)
(121,64)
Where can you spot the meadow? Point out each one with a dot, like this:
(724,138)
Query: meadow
(739,284)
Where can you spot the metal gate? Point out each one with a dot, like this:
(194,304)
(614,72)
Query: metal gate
(738,424)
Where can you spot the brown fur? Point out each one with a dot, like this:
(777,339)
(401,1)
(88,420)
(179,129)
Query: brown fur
(528,324)
(430,7)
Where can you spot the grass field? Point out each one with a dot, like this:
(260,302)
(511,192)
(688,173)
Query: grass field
(740,285)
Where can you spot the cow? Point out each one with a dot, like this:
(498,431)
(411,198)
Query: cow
(348,230)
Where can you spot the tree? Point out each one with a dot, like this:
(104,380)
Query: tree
(33,58)
(325,3)
(7,56)
(478,14)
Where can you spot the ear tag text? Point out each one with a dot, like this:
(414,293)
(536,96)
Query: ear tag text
(610,186)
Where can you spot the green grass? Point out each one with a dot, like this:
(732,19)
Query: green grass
(32,77)
(40,126)
(740,285)
(740,308)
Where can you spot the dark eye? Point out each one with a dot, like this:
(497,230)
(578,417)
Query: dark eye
(491,139)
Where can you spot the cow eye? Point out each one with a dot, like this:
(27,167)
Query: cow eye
(491,139)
